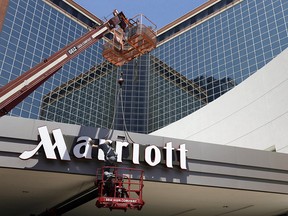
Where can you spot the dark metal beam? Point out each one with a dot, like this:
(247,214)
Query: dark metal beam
(72,202)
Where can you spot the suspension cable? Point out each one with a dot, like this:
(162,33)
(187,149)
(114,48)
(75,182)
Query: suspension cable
(119,100)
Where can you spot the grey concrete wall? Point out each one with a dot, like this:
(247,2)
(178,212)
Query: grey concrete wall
(207,164)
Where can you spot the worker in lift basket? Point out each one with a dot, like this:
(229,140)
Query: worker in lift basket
(120,39)
(110,159)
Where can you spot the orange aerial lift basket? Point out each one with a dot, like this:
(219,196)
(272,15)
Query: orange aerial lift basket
(121,189)
(137,39)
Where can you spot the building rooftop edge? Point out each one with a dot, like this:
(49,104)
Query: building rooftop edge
(187,16)
(83,10)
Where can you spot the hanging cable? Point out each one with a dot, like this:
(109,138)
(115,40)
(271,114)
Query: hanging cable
(111,128)
(119,100)
(120,82)
(123,118)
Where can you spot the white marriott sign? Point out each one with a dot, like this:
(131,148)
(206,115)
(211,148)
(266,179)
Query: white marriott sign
(152,153)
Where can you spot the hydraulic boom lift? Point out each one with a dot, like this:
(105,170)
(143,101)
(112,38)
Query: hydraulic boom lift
(131,39)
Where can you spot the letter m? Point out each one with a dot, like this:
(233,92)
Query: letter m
(49,148)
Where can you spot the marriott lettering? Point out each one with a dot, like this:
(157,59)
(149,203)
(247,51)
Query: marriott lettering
(152,153)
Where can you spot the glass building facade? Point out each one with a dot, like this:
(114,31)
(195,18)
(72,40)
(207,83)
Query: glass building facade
(32,31)
(196,61)
(217,49)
